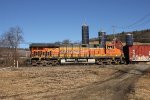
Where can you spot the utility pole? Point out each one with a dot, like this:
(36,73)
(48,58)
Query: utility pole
(17,43)
(114,40)
(113,27)
(16,47)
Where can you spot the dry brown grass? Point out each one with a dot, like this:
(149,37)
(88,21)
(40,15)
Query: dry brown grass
(57,83)
(46,82)
(142,89)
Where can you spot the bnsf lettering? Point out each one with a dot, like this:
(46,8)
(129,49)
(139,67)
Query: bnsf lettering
(69,51)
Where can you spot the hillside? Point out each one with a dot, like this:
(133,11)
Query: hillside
(142,36)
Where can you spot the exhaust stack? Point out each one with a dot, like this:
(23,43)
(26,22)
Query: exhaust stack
(102,39)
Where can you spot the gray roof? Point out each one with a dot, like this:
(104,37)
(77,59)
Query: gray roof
(52,45)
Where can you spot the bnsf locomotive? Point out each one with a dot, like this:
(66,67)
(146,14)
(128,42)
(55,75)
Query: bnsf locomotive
(104,53)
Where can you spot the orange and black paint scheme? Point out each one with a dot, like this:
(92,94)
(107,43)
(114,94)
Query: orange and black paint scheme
(52,54)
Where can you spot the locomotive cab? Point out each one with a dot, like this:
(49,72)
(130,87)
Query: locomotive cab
(109,46)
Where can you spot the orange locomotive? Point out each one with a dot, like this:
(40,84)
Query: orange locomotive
(44,54)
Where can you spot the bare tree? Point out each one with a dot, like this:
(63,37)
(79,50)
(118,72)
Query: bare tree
(13,37)
(10,40)
(57,42)
(66,41)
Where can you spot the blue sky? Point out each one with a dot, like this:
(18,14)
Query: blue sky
(56,20)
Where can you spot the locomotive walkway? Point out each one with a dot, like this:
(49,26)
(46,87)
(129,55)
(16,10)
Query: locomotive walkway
(116,87)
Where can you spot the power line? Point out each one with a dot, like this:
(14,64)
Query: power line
(113,27)
(144,23)
(139,22)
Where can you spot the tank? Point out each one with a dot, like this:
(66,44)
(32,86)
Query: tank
(85,34)
(129,39)
(99,36)
(102,39)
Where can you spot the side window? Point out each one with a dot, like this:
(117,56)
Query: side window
(110,47)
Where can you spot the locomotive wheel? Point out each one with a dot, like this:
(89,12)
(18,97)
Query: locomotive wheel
(34,63)
(54,62)
(109,62)
(99,62)
(124,61)
(117,61)
(42,63)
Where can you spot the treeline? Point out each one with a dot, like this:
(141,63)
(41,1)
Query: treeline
(66,42)
(9,42)
(142,36)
